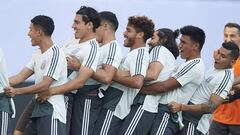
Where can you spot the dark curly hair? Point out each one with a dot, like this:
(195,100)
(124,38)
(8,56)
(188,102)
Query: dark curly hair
(142,24)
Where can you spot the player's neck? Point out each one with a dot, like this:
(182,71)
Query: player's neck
(194,57)
(137,44)
(87,37)
(45,44)
(108,38)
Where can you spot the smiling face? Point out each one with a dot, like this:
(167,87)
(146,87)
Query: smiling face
(79,27)
(130,36)
(231,34)
(223,59)
(34,34)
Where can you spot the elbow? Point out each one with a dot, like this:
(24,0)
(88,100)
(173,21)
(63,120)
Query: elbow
(107,80)
(151,77)
(154,77)
(138,84)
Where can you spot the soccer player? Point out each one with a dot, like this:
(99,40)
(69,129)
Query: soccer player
(163,52)
(210,94)
(49,66)
(7,108)
(228,122)
(182,83)
(119,96)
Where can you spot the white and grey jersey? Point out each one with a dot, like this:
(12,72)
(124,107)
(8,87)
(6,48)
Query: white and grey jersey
(109,54)
(51,63)
(136,62)
(88,54)
(190,74)
(3,73)
(218,82)
(6,104)
(162,55)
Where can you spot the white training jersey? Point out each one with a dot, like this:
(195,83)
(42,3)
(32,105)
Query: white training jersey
(69,43)
(216,81)
(136,62)
(51,63)
(162,55)
(190,74)
(4,80)
(109,54)
(87,53)
(3,73)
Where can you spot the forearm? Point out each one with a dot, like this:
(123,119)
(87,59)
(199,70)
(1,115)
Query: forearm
(34,89)
(20,77)
(15,80)
(67,87)
(83,75)
(153,89)
(103,76)
(130,81)
(160,87)
(150,77)
(191,108)
(203,108)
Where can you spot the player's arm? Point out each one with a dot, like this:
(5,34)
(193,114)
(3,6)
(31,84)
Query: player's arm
(105,74)
(213,103)
(153,71)
(20,77)
(209,107)
(33,89)
(83,75)
(160,87)
(135,81)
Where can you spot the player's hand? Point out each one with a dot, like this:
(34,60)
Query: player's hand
(174,107)
(73,63)
(10,91)
(236,87)
(44,96)
(232,96)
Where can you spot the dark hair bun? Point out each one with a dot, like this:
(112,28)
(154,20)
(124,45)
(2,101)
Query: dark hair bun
(176,33)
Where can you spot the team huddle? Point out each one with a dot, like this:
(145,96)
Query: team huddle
(87,88)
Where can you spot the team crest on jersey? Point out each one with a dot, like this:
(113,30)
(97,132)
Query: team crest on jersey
(43,65)
(75,51)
